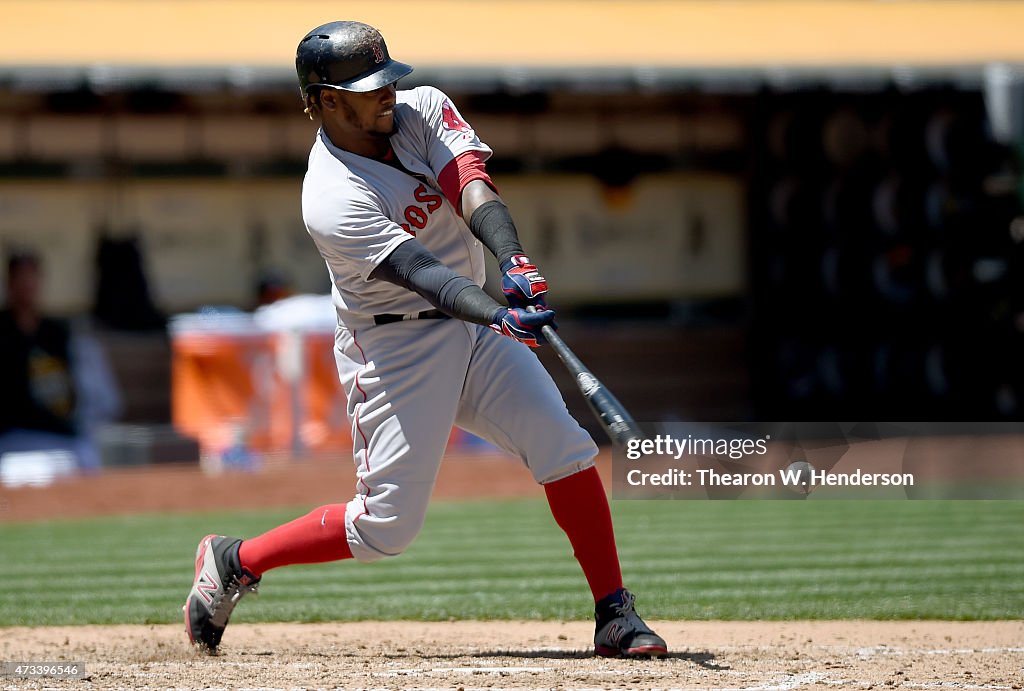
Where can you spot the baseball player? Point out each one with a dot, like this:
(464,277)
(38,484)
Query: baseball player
(398,201)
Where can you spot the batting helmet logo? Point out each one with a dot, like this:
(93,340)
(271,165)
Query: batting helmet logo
(350,56)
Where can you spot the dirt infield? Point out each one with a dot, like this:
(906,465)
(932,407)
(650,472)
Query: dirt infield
(535,655)
(278,483)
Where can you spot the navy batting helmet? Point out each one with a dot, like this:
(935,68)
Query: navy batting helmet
(350,56)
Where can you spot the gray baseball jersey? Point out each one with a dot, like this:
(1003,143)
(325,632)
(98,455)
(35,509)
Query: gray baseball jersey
(410,381)
(358,209)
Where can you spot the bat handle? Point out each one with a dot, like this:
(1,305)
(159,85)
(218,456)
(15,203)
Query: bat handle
(565,354)
(548,332)
(617,423)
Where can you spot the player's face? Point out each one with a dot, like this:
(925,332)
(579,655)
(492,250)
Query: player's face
(371,112)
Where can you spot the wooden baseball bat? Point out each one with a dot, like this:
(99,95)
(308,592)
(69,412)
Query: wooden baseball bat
(616,421)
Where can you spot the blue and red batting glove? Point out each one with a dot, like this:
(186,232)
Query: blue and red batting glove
(523,326)
(522,283)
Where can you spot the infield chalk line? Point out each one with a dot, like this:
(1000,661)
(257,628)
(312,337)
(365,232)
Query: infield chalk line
(963,651)
(460,670)
(950,685)
(886,650)
(784,683)
(789,682)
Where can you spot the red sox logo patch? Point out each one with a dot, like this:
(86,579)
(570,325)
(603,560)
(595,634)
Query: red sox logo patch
(378,52)
(451,120)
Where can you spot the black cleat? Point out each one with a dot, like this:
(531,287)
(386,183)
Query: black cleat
(219,584)
(621,631)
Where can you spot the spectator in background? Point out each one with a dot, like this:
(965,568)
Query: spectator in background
(272,286)
(57,385)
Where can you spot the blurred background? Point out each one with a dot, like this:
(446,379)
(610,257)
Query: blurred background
(746,210)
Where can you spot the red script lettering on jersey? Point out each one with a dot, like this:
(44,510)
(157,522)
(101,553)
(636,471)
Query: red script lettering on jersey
(415,215)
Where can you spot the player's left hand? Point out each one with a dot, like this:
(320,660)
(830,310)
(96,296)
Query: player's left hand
(524,326)
(522,283)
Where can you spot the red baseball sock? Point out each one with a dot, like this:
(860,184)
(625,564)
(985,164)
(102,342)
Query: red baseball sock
(316,537)
(580,508)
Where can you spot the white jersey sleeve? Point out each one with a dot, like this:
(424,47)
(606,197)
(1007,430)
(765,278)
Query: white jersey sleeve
(350,229)
(447,134)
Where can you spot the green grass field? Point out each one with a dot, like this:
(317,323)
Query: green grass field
(497,560)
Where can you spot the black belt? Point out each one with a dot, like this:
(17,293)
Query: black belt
(380,319)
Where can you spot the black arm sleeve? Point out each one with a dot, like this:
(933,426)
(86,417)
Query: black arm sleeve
(492,223)
(412,266)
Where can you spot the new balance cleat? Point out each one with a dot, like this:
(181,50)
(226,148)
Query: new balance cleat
(621,631)
(219,584)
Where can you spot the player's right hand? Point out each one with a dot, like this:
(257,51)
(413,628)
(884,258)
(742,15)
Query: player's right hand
(522,283)
(524,326)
